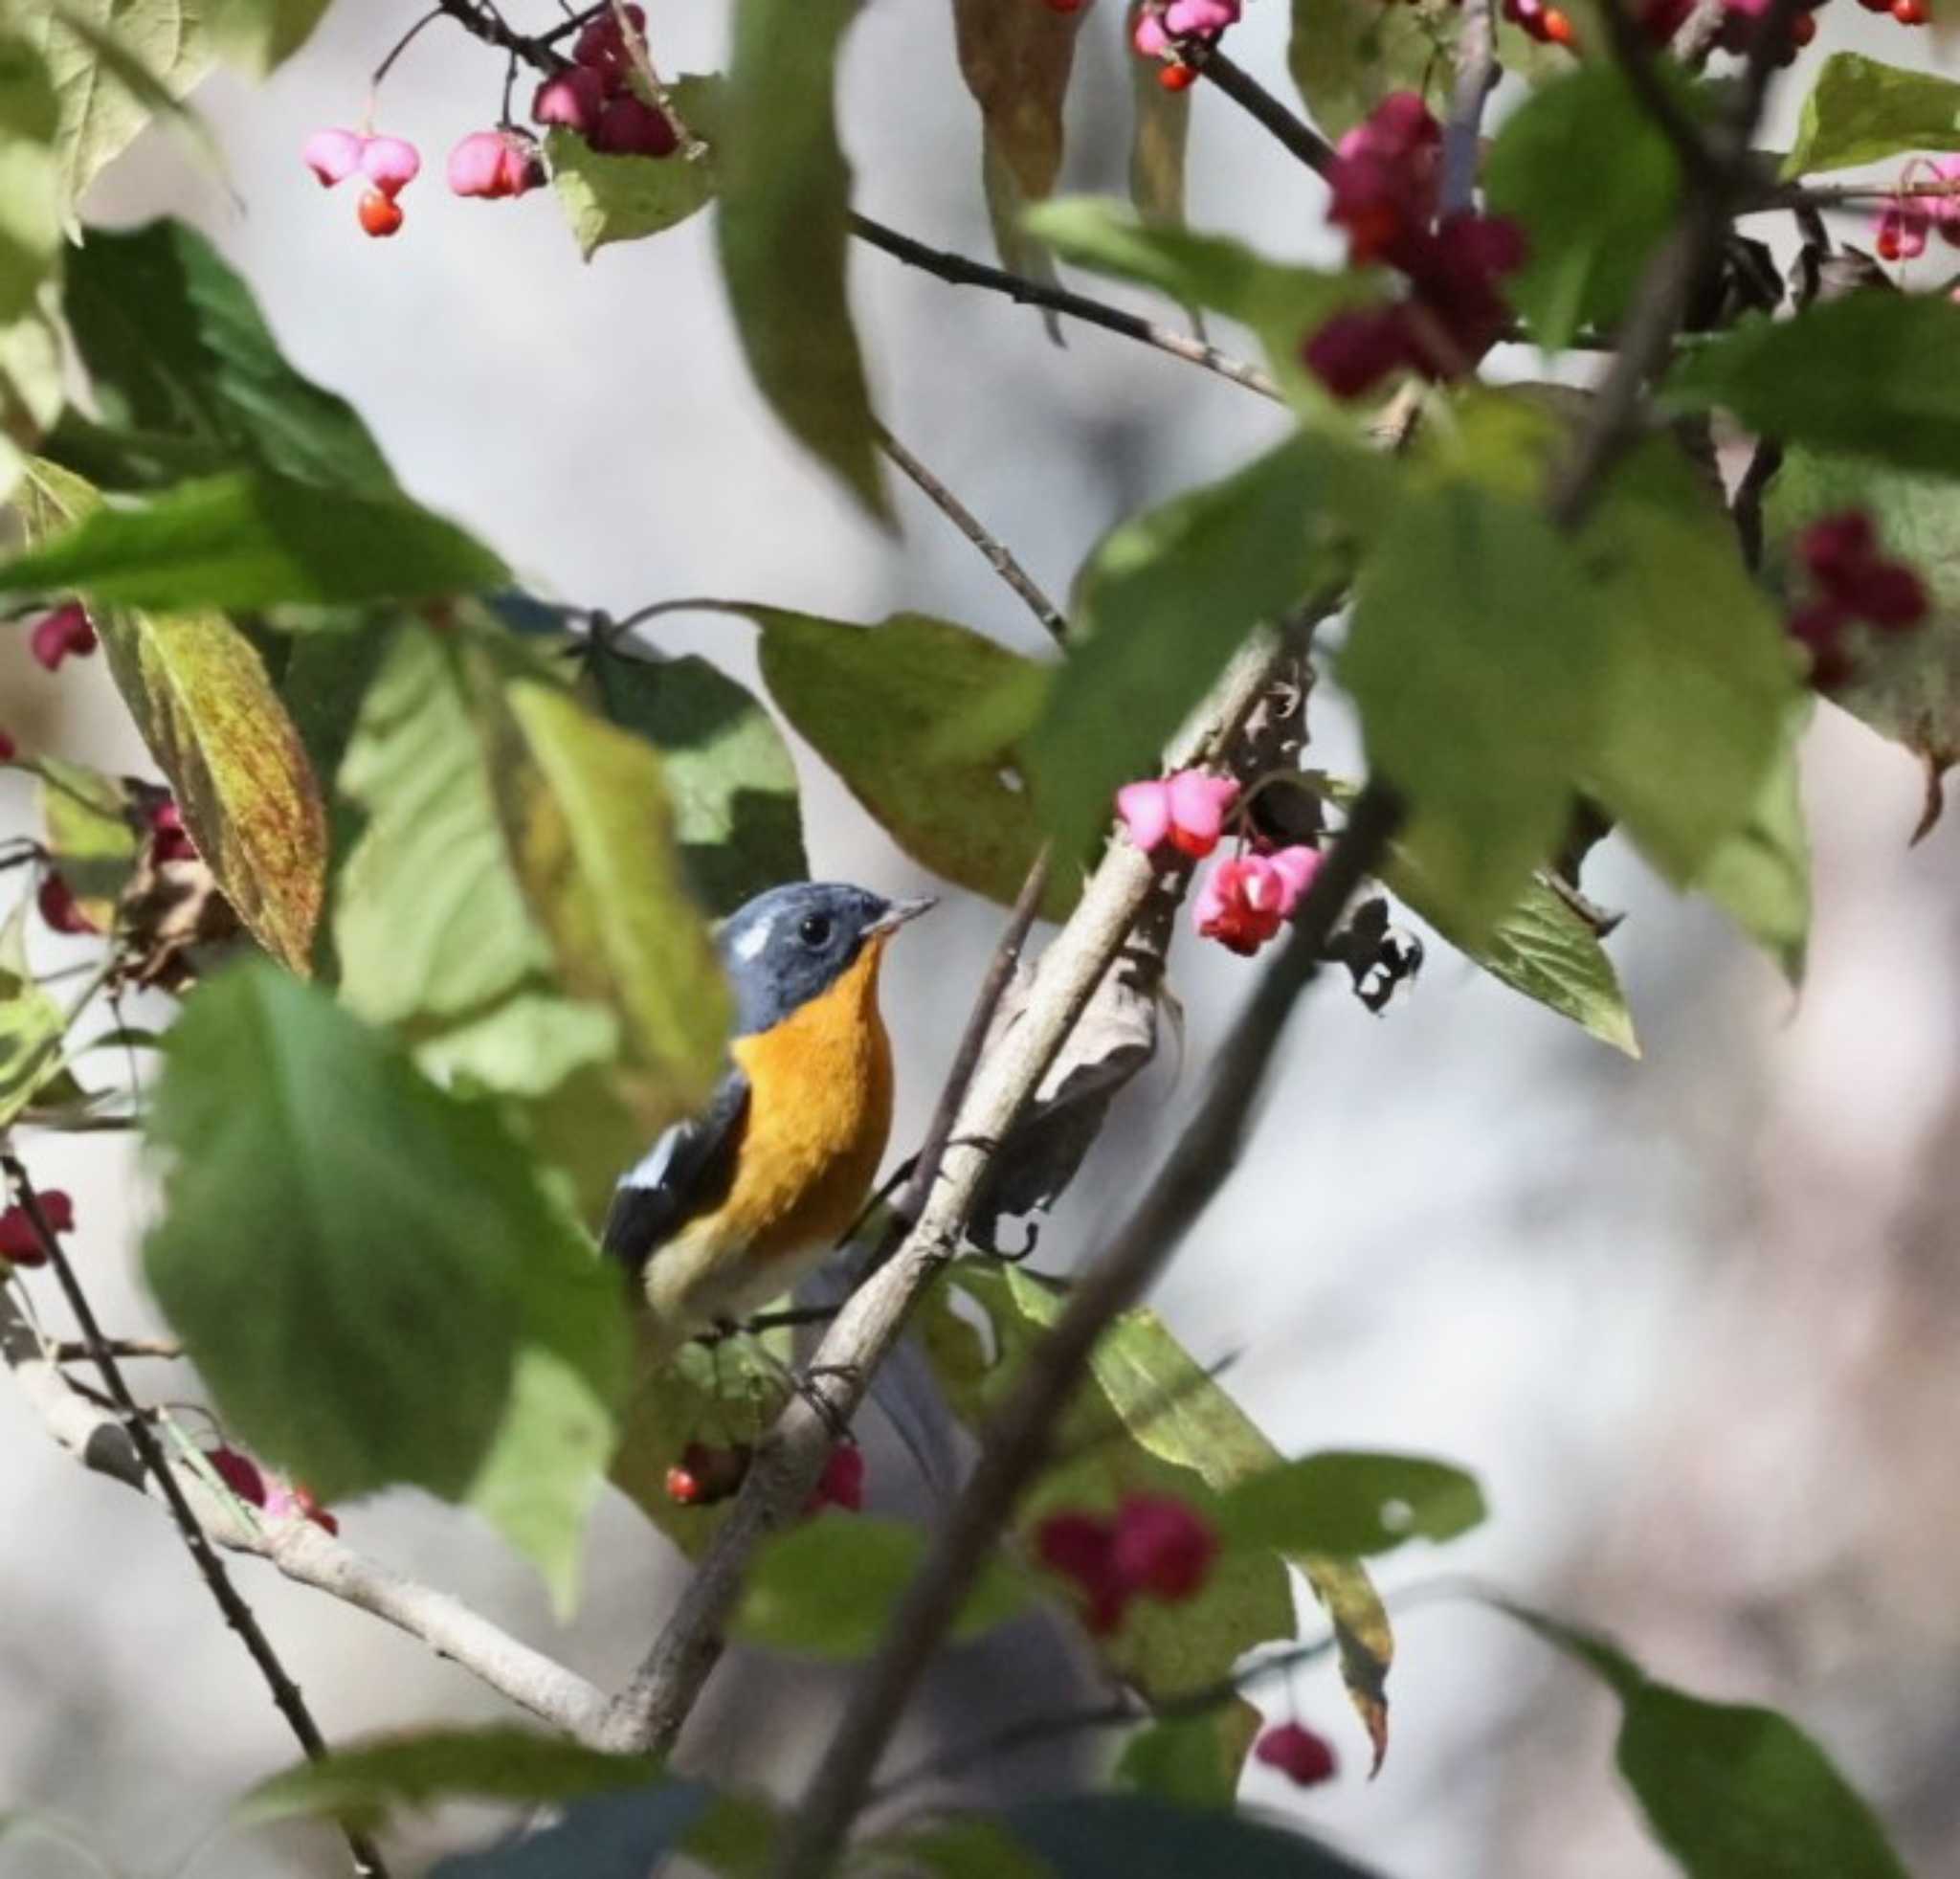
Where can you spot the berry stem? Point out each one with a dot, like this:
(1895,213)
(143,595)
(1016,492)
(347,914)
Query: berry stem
(394,52)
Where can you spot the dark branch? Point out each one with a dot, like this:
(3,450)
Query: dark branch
(1246,91)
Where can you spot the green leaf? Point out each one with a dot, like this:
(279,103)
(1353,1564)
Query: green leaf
(203,701)
(878,703)
(1863,111)
(1159,137)
(31,1021)
(254,539)
(1351,1502)
(1543,947)
(1347,56)
(1582,165)
(1761,876)
(608,199)
(115,64)
(1843,375)
(1474,657)
(1696,682)
(90,834)
(1017,62)
(1168,596)
(33,386)
(592,839)
(174,344)
(30,176)
(257,36)
(828,1587)
(614,1836)
(1906,686)
(785,199)
(964,1847)
(1093,1836)
(363,1782)
(366,1274)
(730,774)
(1732,1791)
(1179,1760)
(1281,302)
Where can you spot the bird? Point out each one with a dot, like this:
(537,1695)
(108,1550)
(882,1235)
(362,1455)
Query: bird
(731,1206)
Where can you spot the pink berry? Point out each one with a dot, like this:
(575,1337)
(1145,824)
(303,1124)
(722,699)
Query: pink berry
(630,127)
(59,907)
(1836,543)
(494,164)
(572,99)
(1186,812)
(19,1243)
(1162,1547)
(380,214)
(170,841)
(9,749)
(1191,19)
(240,1473)
(332,155)
(1081,1548)
(390,164)
(67,633)
(1149,37)
(1910,12)
(841,1483)
(1307,1759)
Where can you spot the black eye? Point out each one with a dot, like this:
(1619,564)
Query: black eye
(813,930)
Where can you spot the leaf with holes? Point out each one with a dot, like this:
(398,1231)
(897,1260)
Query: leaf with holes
(1349,1502)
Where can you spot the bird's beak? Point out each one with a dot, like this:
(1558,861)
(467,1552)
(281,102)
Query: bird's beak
(899,913)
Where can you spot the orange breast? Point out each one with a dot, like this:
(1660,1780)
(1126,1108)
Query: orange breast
(819,1113)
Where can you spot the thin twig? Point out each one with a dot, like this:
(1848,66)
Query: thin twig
(75,1349)
(1018,1438)
(959,271)
(649,1713)
(999,556)
(1246,91)
(1476,76)
(238,1615)
(302,1551)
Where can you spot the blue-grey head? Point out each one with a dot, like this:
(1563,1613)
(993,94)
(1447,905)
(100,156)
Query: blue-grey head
(792,943)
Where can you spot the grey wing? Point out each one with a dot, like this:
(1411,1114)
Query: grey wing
(687,1172)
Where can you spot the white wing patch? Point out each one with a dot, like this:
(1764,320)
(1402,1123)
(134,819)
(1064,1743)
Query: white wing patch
(750,946)
(651,1169)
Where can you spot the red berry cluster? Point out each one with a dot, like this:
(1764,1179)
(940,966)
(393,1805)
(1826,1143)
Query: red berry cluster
(67,633)
(1857,586)
(19,1243)
(1549,25)
(707,1475)
(1385,189)
(1153,1547)
(593,97)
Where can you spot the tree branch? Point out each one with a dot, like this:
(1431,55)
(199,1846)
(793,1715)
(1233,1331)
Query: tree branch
(959,271)
(304,1552)
(1246,91)
(999,556)
(649,1713)
(1016,1439)
(237,1614)
(1476,76)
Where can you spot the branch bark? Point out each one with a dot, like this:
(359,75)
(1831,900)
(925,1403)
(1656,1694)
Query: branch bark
(1476,76)
(1246,91)
(1016,1442)
(304,1552)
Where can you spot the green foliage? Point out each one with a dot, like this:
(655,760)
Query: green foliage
(1906,686)
(1091,1836)
(614,1836)
(1761,875)
(730,774)
(201,698)
(783,228)
(828,1587)
(252,539)
(1281,302)
(1472,656)
(1544,948)
(31,1022)
(608,199)
(1179,1760)
(1352,1503)
(1731,1790)
(1159,137)
(1166,600)
(881,704)
(366,1273)
(176,348)
(1863,111)
(362,1782)
(1582,165)
(30,176)
(1844,375)
(965,1846)
(258,34)
(1017,62)
(89,836)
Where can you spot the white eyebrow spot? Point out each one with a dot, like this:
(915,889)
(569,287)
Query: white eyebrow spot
(751,943)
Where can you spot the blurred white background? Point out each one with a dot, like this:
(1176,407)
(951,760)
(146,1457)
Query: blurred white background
(1695,1321)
